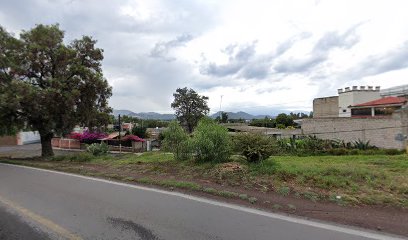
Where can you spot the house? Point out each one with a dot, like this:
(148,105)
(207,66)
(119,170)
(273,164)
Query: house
(383,107)
(338,106)
(362,113)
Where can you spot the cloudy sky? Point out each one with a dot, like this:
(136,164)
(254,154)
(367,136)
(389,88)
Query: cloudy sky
(260,55)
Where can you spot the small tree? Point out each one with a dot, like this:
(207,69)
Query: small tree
(255,147)
(139,131)
(224,117)
(177,141)
(190,107)
(211,142)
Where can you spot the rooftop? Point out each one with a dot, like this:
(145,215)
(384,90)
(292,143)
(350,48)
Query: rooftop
(384,101)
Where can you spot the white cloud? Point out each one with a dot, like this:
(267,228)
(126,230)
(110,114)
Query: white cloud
(260,55)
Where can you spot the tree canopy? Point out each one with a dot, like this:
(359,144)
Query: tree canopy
(190,107)
(50,86)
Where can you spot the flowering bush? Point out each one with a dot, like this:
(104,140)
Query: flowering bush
(75,135)
(87,137)
(133,138)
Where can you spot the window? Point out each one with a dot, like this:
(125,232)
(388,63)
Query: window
(361,112)
(385,110)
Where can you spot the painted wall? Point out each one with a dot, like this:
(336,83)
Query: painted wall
(28,137)
(354,97)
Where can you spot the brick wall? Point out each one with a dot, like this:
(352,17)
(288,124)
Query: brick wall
(65,143)
(383,133)
(8,140)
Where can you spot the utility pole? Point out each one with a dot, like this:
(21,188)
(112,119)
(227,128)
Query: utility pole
(120,138)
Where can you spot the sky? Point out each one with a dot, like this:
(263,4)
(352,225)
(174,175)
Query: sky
(257,56)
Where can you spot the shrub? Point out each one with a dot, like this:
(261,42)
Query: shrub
(280,126)
(393,151)
(338,151)
(98,149)
(211,142)
(177,141)
(255,147)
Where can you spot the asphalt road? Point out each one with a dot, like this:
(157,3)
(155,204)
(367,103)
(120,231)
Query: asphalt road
(44,204)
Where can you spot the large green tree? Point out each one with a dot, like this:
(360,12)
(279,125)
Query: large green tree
(285,120)
(50,86)
(190,107)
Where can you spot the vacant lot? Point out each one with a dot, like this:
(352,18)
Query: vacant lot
(354,180)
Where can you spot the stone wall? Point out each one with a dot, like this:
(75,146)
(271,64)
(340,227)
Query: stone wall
(381,132)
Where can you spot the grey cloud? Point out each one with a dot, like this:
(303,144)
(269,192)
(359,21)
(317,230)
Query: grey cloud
(239,56)
(300,65)
(141,82)
(319,53)
(244,62)
(161,49)
(288,44)
(389,61)
(271,89)
(335,40)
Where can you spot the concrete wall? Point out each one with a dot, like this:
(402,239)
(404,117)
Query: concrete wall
(383,133)
(20,138)
(326,107)
(353,97)
(28,137)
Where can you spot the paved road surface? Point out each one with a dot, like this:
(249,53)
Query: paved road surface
(65,206)
(29,150)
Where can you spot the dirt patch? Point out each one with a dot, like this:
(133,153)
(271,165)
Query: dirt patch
(214,184)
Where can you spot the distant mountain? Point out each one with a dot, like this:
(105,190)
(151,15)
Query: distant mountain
(123,112)
(144,115)
(231,115)
(239,115)
(157,116)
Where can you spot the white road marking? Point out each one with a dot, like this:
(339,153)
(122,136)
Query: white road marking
(316,224)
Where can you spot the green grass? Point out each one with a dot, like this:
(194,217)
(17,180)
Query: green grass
(119,159)
(373,179)
(171,183)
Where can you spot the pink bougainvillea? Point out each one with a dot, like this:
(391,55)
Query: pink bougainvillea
(133,138)
(87,137)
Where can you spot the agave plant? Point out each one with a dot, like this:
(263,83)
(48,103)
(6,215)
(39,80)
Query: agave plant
(362,145)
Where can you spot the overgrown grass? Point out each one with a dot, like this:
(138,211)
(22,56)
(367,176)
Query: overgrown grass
(121,159)
(374,179)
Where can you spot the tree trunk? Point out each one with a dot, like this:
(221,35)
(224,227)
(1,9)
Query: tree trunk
(46,147)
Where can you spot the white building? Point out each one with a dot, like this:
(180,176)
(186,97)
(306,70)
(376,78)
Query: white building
(355,95)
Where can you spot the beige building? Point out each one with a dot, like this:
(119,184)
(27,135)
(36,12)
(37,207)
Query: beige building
(326,107)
